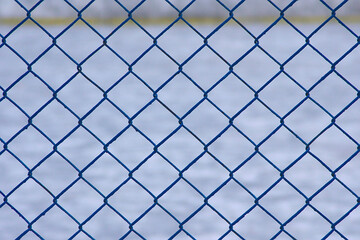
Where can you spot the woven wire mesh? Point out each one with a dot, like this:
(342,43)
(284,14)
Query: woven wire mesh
(282,172)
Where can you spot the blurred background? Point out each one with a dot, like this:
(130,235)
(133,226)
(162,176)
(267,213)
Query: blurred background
(263,178)
(161,9)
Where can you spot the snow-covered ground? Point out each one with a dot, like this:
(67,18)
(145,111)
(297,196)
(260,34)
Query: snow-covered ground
(56,148)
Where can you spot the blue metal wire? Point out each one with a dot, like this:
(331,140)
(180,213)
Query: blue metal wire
(282,119)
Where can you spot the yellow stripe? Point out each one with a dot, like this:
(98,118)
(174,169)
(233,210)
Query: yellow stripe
(167,21)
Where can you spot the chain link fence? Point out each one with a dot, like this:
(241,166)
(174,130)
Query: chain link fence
(231,126)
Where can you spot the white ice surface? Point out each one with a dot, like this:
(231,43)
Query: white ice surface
(29,147)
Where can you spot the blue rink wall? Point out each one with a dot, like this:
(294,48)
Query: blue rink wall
(179,130)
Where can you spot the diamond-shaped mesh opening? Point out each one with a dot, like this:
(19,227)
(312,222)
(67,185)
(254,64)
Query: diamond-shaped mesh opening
(130,95)
(47,68)
(55,173)
(85,40)
(181,200)
(147,68)
(221,39)
(30,147)
(130,148)
(300,230)
(55,121)
(281,101)
(102,125)
(80,89)
(184,38)
(308,175)
(250,121)
(206,121)
(30,194)
(256,175)
(257,224)
(158,217)
(334,201)
(25,93)
(201,68)
(175,119)
(156,122)
(124,46)
(207,224)
(231,148)
(307,121)
(29,41)
(339,34)
(48,225)
(76,200)
(273,148)
(180,95)
(106,219)
(131,201)
(283,201)
(80,139)
(156,174)
(112,70)
(237,97)
(105,174)
(312,71)
(200,174)
(191,148)
(342,94)
(337,145)
(256,68)
(232,201)
(278,49)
